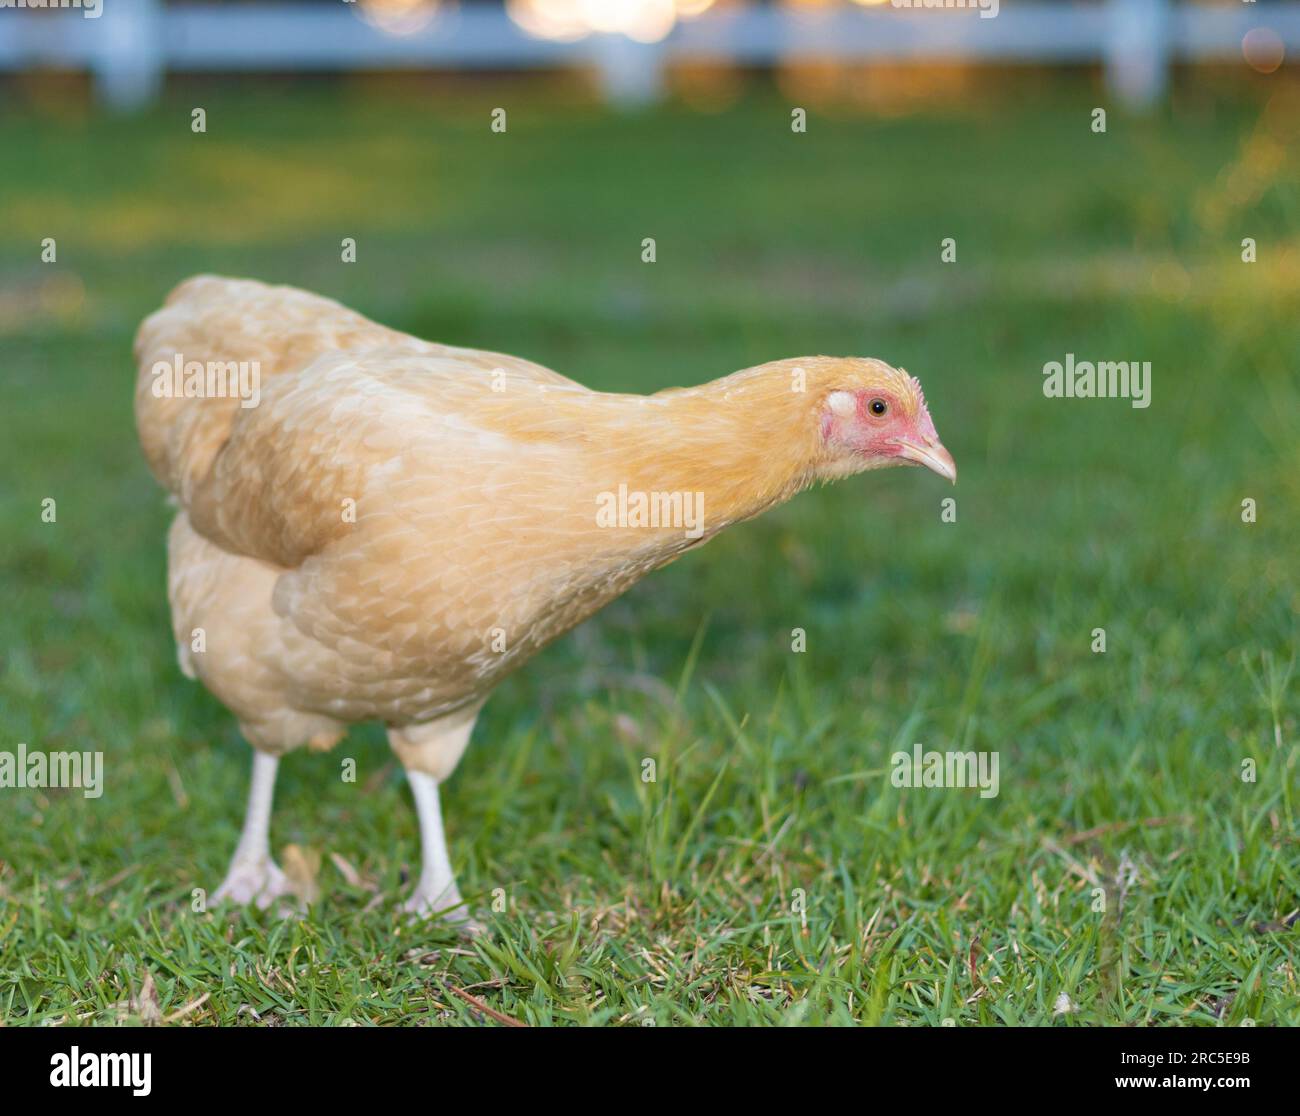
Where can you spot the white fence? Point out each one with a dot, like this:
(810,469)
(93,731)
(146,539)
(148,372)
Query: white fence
(135,43)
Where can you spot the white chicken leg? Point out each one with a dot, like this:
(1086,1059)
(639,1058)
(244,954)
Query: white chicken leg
(253,877)
(436,892)
(430,752)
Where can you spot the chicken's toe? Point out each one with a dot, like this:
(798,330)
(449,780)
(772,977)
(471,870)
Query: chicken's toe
(448,908)
(260,882)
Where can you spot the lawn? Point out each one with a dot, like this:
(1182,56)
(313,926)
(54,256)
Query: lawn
(1128,872)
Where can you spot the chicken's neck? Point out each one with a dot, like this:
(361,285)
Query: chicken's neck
(729,450)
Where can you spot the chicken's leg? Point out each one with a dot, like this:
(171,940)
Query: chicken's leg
(253,876)
(430,752)
(436,892)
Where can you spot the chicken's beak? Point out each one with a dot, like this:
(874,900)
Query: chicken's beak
(931,454)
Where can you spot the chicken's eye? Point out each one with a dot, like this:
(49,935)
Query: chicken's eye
(878,407)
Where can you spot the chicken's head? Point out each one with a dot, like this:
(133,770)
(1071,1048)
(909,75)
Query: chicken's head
(873,416)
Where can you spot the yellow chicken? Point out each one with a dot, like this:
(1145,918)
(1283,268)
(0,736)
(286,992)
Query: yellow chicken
(374,527)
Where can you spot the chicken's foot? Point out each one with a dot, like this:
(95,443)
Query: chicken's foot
(253,877)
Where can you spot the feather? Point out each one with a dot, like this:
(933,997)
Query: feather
(397,524)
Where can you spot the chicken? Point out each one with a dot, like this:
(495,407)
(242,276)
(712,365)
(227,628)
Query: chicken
(374,527)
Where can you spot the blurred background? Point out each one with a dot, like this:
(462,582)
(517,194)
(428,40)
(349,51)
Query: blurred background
(1170,233)
(632,49)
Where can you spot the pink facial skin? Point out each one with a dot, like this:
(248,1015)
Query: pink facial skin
(883,433)
(903,434)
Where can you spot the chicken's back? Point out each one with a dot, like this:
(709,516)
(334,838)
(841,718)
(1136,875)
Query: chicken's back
(209,319)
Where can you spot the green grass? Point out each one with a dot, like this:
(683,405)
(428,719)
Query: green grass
(673,902)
